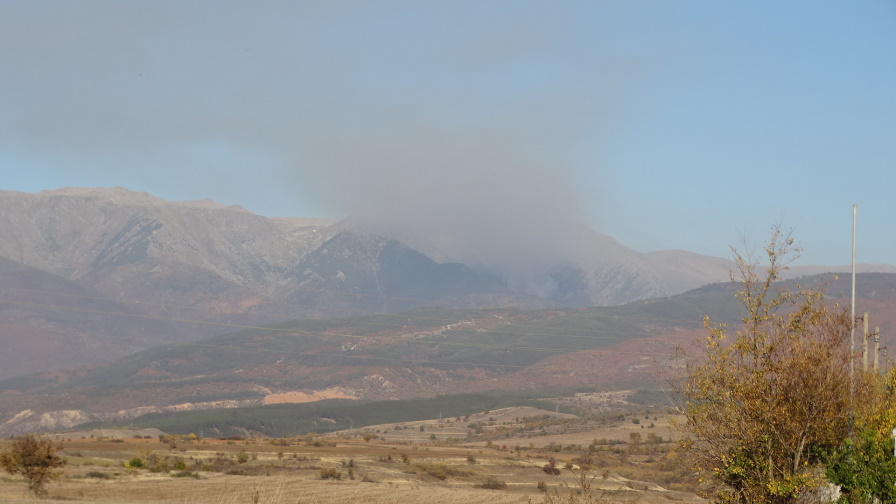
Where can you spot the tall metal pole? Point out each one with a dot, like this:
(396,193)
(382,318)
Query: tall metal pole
(852,309)
(852,322)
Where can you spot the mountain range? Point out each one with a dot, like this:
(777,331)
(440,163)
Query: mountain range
(88,275)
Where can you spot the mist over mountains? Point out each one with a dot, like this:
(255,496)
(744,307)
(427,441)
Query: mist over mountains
(94,274)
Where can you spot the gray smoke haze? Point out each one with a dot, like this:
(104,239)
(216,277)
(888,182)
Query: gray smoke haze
(496,196)
(478,122)
(449,130)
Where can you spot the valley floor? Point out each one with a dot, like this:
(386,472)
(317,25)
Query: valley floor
(338,469)
(217,488)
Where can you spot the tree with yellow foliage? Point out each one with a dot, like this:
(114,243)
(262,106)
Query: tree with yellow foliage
(769,400)
(36,459)
(864,465)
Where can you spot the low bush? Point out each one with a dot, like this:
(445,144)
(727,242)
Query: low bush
(551,467)
(330,473)
(442,471)
(493,484)
(135,463)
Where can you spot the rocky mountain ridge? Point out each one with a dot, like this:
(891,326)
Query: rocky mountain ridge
(103,238)
(176,271)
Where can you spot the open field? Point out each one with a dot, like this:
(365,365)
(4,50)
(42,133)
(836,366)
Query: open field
(501,456)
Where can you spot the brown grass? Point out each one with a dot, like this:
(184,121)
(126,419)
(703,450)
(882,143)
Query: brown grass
(290,470)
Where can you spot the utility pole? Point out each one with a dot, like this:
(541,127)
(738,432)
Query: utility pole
(865,336)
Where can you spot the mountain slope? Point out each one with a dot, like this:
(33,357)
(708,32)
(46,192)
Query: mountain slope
(358,272)
(204,262)
(48,322)
(419,353)
(206,267)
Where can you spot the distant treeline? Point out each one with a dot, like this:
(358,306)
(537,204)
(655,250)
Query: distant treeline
(283,420)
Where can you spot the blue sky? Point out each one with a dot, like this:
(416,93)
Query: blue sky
(668,125)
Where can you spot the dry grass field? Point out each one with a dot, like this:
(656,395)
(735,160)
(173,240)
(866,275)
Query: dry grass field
(516,455)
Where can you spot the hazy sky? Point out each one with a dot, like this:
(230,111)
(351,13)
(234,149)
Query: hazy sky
(665,124)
